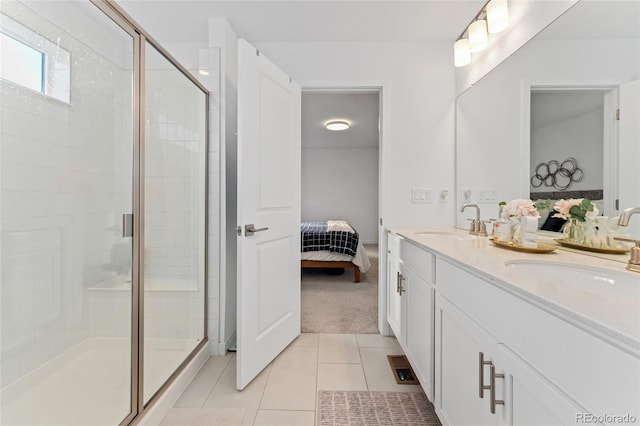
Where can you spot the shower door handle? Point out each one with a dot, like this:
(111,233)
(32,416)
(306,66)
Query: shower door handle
(127,225)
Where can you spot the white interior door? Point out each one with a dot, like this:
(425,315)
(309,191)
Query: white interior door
(269,199)
(629,150)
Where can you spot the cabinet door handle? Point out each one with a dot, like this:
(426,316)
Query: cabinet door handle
(401,288)
(492,386)
(481,363)
(398,282)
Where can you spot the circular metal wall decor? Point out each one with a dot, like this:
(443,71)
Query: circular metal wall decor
(556,174)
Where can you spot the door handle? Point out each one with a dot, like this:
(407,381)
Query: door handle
(127,225)
(401,287)
(249,230)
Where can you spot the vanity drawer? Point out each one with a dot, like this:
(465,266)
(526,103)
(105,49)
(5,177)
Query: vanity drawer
(418,259)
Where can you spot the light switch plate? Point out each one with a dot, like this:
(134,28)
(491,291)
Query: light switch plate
(421,195)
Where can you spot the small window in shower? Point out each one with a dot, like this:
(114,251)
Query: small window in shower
(33,61)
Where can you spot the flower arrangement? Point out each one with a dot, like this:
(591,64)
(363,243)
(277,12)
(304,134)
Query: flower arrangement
(517,209)
(575,208)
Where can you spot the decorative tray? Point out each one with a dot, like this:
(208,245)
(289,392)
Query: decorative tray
(609,250)
(542,248)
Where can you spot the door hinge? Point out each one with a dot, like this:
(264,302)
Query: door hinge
(618,115)
(239,230)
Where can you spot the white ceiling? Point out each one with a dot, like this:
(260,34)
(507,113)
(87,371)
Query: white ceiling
(597,19)
(307,20)
(550,107)
(359,109)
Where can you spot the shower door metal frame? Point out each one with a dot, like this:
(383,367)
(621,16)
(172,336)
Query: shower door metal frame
(140,38)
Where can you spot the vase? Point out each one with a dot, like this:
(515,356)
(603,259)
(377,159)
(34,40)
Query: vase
(515,230)
(574,231)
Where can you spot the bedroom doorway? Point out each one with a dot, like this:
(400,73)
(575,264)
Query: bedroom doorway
(340,182)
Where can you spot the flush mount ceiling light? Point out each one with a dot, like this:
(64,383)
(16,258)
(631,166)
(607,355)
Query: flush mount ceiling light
(337,125)
(492,18)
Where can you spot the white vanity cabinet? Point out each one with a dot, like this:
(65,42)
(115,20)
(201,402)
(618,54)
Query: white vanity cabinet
(411,302)
(481,382)
(546,371)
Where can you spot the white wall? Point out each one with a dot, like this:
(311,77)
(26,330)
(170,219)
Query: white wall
(417,113)
(222,37)
(342,184)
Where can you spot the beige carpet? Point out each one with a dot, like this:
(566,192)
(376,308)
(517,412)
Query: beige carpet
(375,409)
(335,304)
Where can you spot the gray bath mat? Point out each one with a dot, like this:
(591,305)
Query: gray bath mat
(338,408)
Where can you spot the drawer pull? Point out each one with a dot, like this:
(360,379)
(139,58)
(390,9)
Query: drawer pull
(492,387)
(400,286)
(482,387)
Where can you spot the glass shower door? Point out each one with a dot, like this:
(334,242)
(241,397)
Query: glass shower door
(174,219)
(67,155)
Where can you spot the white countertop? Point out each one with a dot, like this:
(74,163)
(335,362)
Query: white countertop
(613,310)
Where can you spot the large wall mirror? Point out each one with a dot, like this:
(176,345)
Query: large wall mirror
(555,100)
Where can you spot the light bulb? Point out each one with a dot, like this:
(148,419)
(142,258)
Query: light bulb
(461,53)
(337,125)
(497,16)
(478,38)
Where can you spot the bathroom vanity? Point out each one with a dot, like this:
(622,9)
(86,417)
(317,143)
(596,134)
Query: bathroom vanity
(503,337)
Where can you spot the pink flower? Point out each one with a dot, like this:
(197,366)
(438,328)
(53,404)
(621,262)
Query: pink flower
(519,208)
(582,208)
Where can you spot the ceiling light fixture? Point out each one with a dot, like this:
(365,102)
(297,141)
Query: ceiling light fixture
(478,37)
(497,16)
(461,52)
(492,18)
(337,125)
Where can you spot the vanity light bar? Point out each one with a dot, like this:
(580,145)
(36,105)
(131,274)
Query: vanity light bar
(492,18)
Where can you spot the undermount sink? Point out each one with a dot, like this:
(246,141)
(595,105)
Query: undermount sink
(446,234)
(588,278)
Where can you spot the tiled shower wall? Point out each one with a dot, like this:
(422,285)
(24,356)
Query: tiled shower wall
(174,203)
(66,180)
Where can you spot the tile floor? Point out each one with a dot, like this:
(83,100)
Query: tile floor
(285,393)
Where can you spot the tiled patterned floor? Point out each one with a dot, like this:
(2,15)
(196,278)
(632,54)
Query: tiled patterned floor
(285,393)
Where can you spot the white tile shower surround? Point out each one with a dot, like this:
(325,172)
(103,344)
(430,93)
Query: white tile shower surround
(285,393)
(88,384)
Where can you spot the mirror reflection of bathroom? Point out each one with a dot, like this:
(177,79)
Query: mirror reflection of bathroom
(567,144)
(573,149)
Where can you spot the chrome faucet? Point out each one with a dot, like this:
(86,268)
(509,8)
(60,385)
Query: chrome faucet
(634,261)
(477,226)
(626,215)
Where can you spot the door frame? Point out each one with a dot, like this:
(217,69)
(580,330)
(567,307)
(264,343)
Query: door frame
(382,88)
